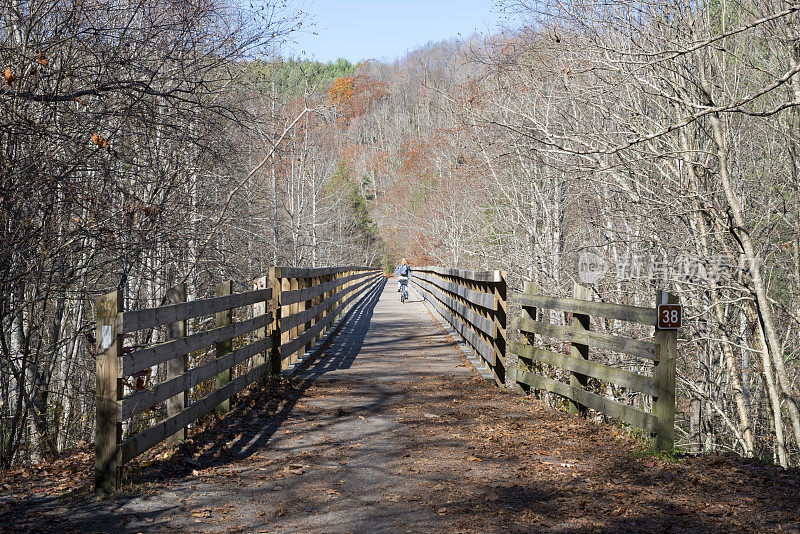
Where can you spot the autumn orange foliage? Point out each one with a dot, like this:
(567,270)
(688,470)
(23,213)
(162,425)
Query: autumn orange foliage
(352,96)
(99,141)
(341,92)
(9,76)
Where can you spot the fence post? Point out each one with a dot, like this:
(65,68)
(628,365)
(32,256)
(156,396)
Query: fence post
(177,366)
(528,312)
(307,305)
(664,379)
(580,321)
(108,394)
(324,311)
(499,338)
(275,328)
(344,286)
(318,317)
(259,309)
(286,311)
(339,289)
(224,318)
(293,284)
(302,283)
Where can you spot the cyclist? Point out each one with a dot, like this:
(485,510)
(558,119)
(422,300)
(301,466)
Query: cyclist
(403,271)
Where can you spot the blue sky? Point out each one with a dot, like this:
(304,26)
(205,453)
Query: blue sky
(385,30)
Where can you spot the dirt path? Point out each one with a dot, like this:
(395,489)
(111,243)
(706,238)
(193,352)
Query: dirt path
(390,430)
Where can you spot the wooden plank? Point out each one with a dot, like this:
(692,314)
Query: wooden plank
(499,329)
(606,373)
(625,413)
(485,300)
(312,305)
(108,394)
(310,272)
(145,358)
(475,276)
(643,349)
(307,305)
(339,310)
(580,322)
(147,398)
(175,366)
(607,310)
(470,338)
(482,323)
(478,335)
(664,378)
(133,321)
(345,308)
(304,316)
(275,331)
(260,309)
(500,290)
(286,310)
(294,307)
(135,445)
(224,318)
(478,298)
(294,296)
(321,311)
(528,312)
(296,343)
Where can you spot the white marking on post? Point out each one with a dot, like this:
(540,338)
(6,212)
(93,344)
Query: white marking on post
(105,332)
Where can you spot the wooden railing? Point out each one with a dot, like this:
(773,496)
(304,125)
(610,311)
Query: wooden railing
(288,311)
(309,301)
(661,350)
(474,304)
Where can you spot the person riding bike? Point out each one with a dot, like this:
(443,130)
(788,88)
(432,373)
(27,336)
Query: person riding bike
(403,271)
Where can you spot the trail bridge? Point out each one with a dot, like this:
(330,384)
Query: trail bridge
(364,414)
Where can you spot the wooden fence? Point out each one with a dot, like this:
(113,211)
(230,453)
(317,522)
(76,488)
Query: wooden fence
(291,309)
(474,304)
(661,350)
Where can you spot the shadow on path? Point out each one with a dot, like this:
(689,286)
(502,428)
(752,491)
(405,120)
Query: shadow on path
(236,437)
(338,352)
(401,439)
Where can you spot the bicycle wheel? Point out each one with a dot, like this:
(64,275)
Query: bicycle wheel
(403,295)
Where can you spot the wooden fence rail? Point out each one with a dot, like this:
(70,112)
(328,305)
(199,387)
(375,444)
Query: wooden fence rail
(474,304)
(291,310)
(660,386)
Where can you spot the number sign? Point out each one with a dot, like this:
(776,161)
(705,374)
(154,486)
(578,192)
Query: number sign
(670,316)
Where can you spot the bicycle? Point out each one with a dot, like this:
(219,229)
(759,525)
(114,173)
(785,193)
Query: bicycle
(403,288)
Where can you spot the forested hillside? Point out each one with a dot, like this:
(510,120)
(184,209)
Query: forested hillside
(143,146)
(147,143)
(662,138)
